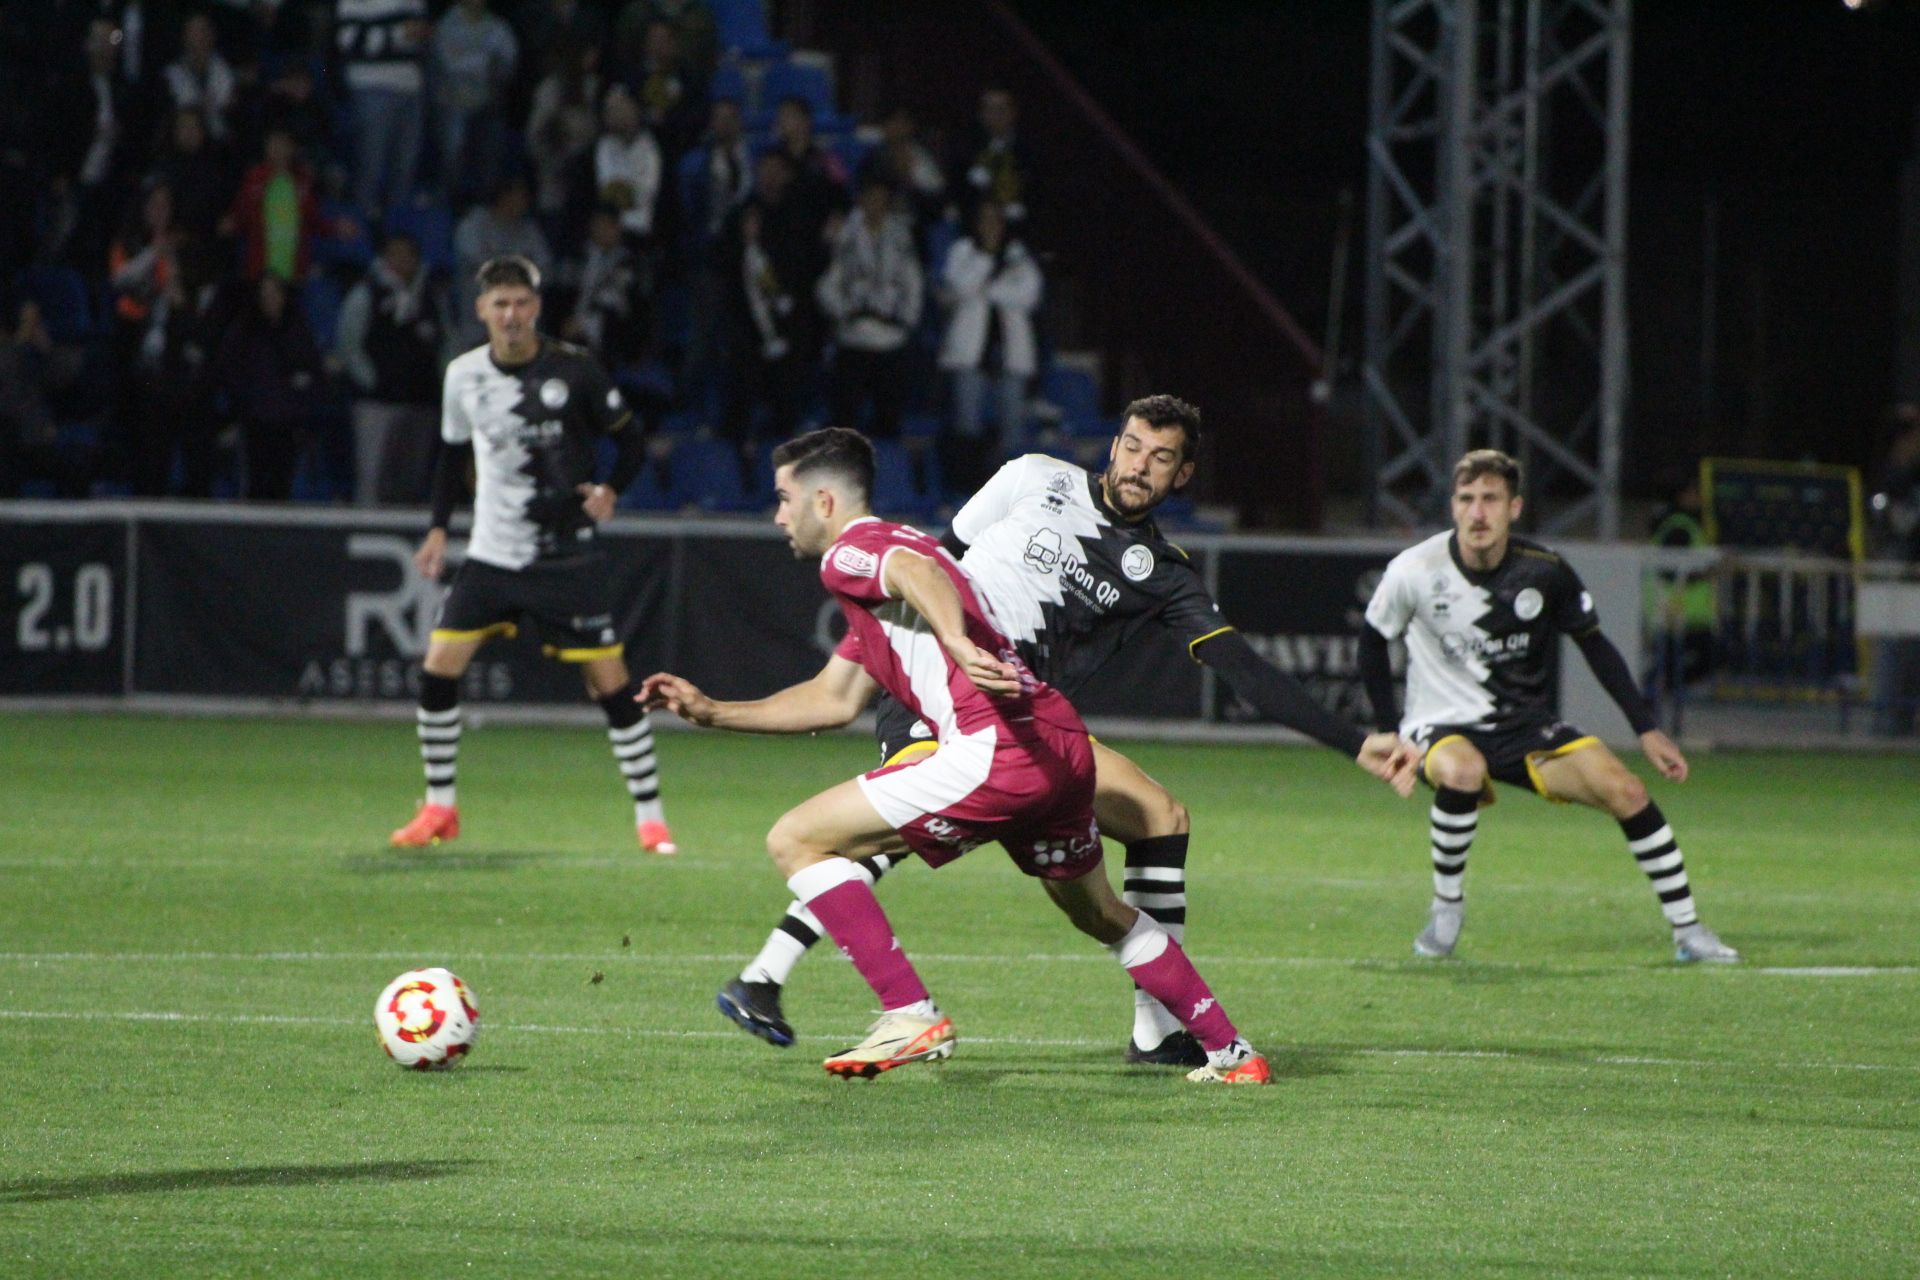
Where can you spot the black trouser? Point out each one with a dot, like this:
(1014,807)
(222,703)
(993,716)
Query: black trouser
(273,454)
(879,376)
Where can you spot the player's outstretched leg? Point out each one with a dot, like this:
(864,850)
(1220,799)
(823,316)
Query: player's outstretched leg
(1160,966)
(1458,773)
(1594,776)
(631,733)
(1655,848)
(438,721)
(753,998)
(805,845)
(1153,826)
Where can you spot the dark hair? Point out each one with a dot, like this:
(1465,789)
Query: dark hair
(507,269)
(1169,411)
(844,452)
(390,238)
(800,101)
(1487,462)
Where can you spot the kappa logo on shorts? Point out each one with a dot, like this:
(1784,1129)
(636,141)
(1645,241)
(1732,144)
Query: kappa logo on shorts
(948,834)
(1137,564)
(854,561)
(554,393)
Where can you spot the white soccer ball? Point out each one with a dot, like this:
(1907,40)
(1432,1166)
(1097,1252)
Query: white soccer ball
(427,1019)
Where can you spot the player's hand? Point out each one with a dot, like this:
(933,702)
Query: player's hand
(432,555)
(679,696)
(1392,760)
(1665,755)
(989,675)
(597,501)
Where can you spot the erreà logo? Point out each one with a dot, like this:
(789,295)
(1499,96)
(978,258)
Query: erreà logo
(855,562)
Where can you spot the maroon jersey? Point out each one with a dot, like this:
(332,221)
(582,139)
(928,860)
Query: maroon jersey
(894,644)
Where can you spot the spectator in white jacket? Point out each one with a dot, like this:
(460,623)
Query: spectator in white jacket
(626,165)
(993,286)
(872,293)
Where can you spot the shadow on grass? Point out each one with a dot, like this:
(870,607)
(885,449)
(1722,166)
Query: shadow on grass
(38,1190)
(398,860)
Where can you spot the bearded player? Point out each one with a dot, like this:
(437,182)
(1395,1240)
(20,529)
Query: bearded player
(1014,765)
(1073,565)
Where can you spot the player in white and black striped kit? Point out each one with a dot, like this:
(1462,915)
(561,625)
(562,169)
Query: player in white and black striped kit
(1481,610)
(1074,568)
(529,413)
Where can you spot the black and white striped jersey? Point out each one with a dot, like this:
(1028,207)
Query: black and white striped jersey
(535,430)
(1479,645)
(1067,581)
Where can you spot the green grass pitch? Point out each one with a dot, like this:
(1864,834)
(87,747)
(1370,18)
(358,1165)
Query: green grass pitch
(195,917)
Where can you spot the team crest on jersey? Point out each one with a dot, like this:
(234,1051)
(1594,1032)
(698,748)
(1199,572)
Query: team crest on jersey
(1527,605)
(554,393)
(1137,564)
(1059,482)
(852,560)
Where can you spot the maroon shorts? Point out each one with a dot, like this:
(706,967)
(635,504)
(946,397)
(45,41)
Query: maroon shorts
(1034,795)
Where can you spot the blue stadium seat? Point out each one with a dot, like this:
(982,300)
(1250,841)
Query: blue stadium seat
(728,82)
(742,29)
(806,80)
(432,229)
(320,300)
(1078,398)
(61,293)
(335,250)
(648,492)
(920,426)
(898,476)
(706,475)
(940,238)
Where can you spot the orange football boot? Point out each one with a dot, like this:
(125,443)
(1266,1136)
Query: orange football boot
(431,824)
(655,838)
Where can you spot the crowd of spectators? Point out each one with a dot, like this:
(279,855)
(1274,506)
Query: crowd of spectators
(237,239)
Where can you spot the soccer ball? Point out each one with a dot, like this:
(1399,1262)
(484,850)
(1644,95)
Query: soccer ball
(426,1019)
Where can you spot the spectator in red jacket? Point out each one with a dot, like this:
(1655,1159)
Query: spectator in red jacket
(276,214)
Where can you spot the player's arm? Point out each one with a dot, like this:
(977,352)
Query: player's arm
(449,478)
(1376,673)
(1576,618)
(924,585)
(829,700)
(1610,669)
(988,506)
(612,417)
(1279,697)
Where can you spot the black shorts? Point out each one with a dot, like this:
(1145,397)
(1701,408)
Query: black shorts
(901,734)
(566,600)
(1513,755)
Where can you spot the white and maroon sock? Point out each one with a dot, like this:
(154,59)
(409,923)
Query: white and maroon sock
(838,893)
(1160,965)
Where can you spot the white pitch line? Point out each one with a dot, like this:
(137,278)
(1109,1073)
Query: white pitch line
(1078,957)
(671,1033)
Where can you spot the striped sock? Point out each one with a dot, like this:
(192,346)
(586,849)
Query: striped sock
(1653,846)
(438,723)
(1155,881)
(631,733)
(1455,817)
(799,929)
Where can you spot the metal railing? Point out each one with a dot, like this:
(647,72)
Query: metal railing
(1781,628)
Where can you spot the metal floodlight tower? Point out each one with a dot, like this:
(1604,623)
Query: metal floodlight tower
(1496,252)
